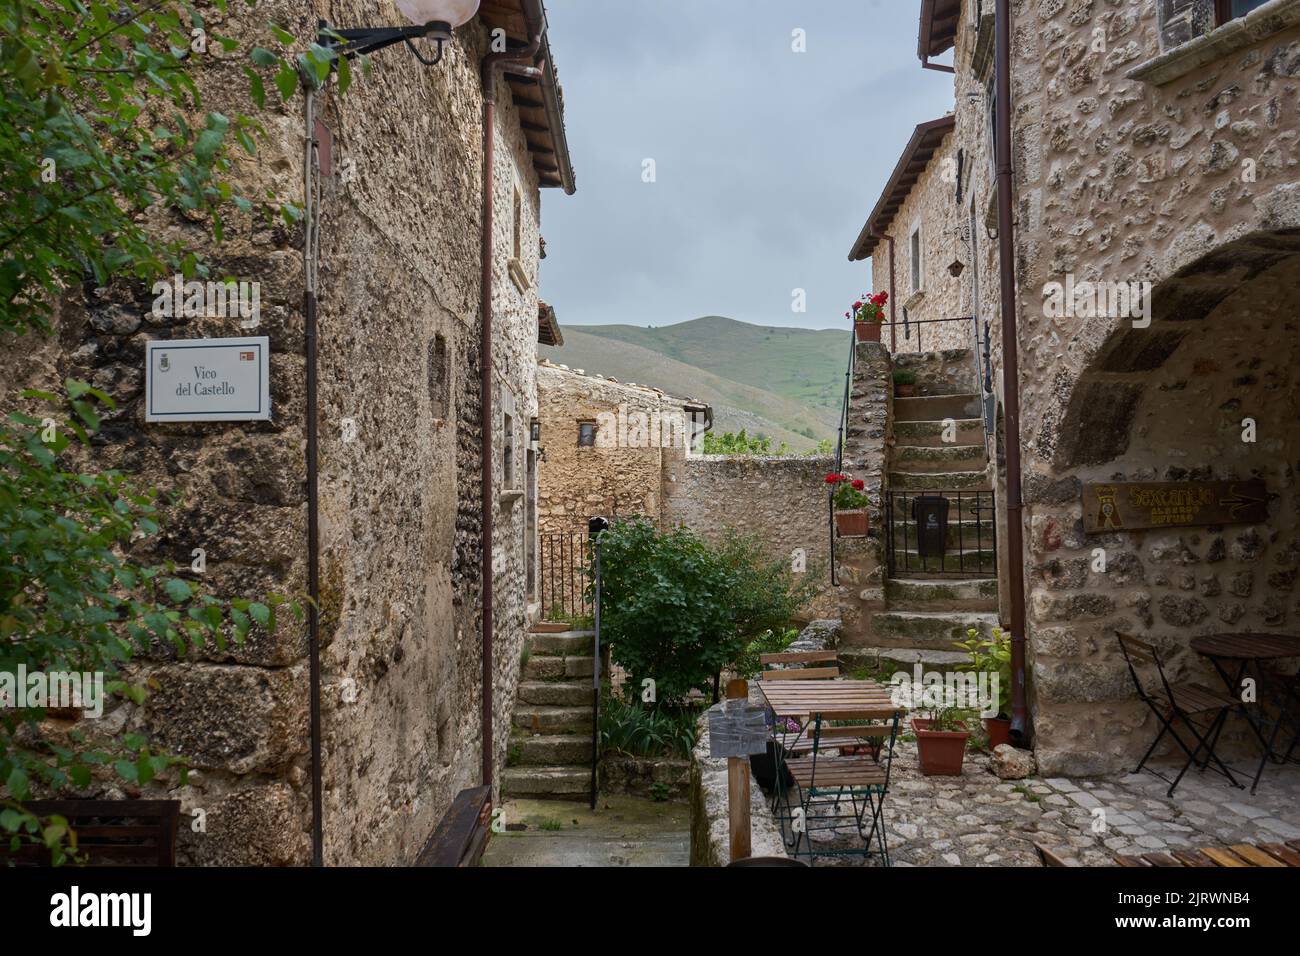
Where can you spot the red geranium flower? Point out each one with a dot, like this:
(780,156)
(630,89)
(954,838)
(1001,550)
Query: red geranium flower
(859,484)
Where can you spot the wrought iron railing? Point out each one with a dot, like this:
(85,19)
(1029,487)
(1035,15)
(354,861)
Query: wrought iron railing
(564,566)
(969,544)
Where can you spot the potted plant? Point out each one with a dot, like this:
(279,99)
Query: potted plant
(850,497)
(992,657)
(904,383)
(941,741)
(867,315)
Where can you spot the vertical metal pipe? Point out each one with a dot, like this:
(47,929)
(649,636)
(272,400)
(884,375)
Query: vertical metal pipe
(595,680)
(1010,369)
(893,302)
(313,487)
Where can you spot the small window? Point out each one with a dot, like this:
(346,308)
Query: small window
(916,259)
(518,253)
(439,384)
(586,434)
(508,451)
(1225,10)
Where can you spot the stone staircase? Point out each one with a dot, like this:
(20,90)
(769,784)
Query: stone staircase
(550,748)
(927,610)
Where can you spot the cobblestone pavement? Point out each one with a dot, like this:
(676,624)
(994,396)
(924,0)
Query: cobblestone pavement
(979,820)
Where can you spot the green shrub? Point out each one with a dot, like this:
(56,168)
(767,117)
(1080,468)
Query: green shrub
(678,610)
(629,727)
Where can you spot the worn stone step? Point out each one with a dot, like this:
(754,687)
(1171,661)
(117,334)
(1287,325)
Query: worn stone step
(908,563)
(936,458)
(548,667)
(546,718)
(946,372)
(929,630)
(935,408)
(564,644)
(939,481)
(966,431)
(551,750)
(913,594)
(560,783)
(555,693)
(884,662)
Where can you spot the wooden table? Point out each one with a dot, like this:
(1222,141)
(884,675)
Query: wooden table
(800,699)
(1232,655)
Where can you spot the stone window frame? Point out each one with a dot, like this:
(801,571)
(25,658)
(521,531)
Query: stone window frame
(1192,36)
(439,375)
(515,264)
(595,427)
(916,259)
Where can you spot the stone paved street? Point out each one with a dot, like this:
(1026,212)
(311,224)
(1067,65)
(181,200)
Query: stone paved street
(979,820)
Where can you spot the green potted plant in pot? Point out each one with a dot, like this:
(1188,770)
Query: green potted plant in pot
(867,315)
(851,500)
(992,657)
(904,383)
(941,740)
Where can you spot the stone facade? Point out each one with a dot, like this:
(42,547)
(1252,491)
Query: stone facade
(1130,167)
(400,492)
(930,211)
(640,444)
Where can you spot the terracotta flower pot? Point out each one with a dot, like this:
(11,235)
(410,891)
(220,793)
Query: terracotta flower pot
(904,391)
(867,331)
(941,752)
(999,731)
(852,524)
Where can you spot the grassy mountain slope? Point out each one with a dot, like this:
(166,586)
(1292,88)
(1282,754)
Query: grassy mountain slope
(736,405)
(804,365)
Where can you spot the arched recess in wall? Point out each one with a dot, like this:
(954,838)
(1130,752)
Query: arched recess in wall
(1171,401)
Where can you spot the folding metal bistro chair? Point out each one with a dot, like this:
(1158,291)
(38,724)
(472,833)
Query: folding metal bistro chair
(1185,703)
(829,791)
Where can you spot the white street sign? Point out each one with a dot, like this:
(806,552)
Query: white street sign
(208,380)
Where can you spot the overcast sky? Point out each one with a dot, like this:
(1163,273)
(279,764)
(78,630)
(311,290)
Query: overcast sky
(767,161)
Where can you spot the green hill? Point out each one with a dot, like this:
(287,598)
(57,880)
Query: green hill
(783,383)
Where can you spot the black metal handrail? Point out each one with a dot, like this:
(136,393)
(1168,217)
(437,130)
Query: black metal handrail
(839,449)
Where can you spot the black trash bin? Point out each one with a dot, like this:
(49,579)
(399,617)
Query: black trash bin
(930,512)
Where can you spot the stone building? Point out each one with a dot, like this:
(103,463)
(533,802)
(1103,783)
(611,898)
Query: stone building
(609,447)
(401,483)
(1156,251)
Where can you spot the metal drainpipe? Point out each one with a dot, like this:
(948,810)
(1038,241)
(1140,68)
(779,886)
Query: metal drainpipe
(490,62)
(1010,370)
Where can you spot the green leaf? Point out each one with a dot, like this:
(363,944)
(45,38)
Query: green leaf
(260,613)
(17,783)
(177,590)
(263,57)
(286,81)
(345,75)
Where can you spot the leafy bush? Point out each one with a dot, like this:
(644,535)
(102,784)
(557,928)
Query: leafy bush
(678,610)
(629,727)
(749,665)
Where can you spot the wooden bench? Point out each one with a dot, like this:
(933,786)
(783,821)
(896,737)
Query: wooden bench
(1240,854)
(462,833)
(108,832)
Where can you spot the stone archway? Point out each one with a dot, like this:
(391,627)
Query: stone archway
(1210,389)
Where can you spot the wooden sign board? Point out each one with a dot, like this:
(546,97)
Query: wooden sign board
(1127,506)
(737,729)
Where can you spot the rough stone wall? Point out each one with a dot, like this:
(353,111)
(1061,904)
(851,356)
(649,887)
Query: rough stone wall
(782,500)
(931,204)
(867,439)
(626,471)
(399,501)
(1118,179)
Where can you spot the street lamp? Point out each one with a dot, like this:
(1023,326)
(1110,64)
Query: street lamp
(435,19)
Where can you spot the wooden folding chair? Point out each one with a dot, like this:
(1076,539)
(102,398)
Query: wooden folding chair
(829,661)
(1185,703)
(824,781)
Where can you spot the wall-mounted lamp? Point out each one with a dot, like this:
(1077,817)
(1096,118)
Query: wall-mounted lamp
(956,268)
(435,19)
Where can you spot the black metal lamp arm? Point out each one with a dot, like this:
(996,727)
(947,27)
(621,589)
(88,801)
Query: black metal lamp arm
(352,42)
